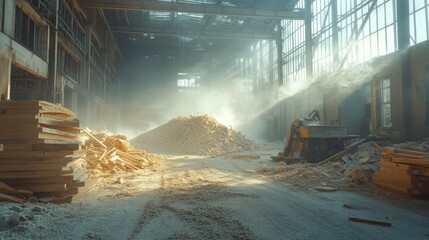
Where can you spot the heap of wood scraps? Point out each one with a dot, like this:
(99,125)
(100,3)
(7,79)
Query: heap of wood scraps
(107,155)
(194,135)
(404,171)
(40,148)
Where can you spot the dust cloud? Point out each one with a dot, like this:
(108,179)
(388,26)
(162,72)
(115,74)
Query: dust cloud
(153,98)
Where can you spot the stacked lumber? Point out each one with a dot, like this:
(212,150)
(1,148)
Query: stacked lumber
(40,150)
(107,155)
(404,171)
(194,135)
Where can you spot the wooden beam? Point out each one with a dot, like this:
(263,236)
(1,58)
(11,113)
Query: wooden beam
(209,9)
(192,33)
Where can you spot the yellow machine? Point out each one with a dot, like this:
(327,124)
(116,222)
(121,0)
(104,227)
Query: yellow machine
(309,140)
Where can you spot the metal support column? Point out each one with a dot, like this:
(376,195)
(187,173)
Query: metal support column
(5,74)
(308,40)
(255,69)
(53,55)
(279,42)
(402,9)
(270,63)
(336,57)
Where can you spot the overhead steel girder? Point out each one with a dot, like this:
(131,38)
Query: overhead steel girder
(192,33)
(150,5)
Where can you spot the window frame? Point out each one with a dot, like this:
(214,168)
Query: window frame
(381,103)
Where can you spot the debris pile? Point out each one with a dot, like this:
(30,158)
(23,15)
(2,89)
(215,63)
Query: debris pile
(305,175)
(19,216)
(354,169)
(107,154)
(194,135)
(359,166)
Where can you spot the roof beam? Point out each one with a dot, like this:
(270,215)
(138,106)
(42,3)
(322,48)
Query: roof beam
(192,33)
(209,9)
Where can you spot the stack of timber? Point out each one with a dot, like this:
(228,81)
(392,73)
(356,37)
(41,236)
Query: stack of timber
(40,150)
(404,171)
(107,155)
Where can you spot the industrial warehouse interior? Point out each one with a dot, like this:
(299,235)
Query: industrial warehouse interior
(214,119)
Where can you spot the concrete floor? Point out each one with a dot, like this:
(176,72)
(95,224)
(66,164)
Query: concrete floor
(213,198)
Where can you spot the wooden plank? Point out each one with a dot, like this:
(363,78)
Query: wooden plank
(52,136)
(375,222)
(63,160)
(68,130)
(10,147)
(76,184)
(393,165)
(56,147)
(72,123)
(392,187)
(418,162)
(18,116)
(18,121)
(411,152)
(8,198)
(58,132)
(33,174)
(94,138)
(67,123)
(35,154)
(11,155)
(56,154)
(18,135)
(397,180)
(78,192)
(4,188)
(407,156)
(6,128)
(63,179)
(31,167)
(44,187)
(42,105)
(394,172)
(374,144)
(19,104)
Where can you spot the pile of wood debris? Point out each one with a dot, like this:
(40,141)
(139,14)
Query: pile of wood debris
(352,170)
(107,154)
(194,135)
